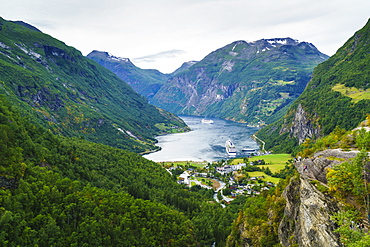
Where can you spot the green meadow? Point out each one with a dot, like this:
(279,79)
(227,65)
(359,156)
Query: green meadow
(354,93)
(275,162)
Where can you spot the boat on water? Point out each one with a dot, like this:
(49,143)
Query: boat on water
(209,121)
(249,150)
(230,148)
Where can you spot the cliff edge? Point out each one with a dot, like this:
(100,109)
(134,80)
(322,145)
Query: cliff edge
(306,220)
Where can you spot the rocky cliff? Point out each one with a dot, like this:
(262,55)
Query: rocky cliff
(306,220)
(302,126)
(300,214)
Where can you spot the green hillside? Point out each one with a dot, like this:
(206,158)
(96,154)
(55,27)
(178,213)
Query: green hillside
(74,96)
(337,95)
(247,82)
(144,81)
(63,191)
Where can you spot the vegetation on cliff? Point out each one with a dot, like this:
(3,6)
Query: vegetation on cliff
(336,96)
(258,222)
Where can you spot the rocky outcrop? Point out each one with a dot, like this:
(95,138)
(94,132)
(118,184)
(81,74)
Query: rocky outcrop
(307,212)
(302,126)
(318,164)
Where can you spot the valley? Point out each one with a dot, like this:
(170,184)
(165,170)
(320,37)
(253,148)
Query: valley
(95,151)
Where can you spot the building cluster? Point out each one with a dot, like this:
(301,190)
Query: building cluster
(248,188)
(229,168)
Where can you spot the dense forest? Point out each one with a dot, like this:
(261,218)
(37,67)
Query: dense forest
(63,191)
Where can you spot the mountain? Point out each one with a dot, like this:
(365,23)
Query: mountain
(73,95)
(337,96)
(144,81)
(185,66)
(22,23)
(247,82)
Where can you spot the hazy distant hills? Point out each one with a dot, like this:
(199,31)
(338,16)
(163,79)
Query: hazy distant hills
(337,95)
(73,95)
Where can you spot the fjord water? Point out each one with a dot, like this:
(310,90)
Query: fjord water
(205,142)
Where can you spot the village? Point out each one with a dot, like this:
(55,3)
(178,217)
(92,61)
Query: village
(231,178)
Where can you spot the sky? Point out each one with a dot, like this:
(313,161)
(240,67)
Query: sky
(162,34)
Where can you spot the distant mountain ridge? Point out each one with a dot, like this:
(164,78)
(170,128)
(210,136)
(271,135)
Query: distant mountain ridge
(74,96)
(251,82)
(144,81)
(337,96)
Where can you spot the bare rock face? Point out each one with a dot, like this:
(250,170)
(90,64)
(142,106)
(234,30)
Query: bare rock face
(317,165)
(307,214)
(302,126)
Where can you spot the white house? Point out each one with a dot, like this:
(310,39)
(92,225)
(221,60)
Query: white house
(184,178)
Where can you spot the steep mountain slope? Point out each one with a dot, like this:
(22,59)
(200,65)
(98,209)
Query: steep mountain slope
(73,95)
(247,82)
(144,81)
(337,95)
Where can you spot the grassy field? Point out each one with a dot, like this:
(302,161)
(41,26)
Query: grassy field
(354,93)
(275,162)
(184,163)
(267,178)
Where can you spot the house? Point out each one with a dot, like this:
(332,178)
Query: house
(184,178)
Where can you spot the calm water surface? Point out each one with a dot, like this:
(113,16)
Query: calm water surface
(204,141)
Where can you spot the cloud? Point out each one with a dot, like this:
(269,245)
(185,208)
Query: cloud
(161,55)
(191,28)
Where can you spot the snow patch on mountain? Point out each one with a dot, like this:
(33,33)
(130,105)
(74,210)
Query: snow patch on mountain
(119,59)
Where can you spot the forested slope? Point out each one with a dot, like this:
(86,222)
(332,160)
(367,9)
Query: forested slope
(62,191)
(144,81)
(73,95)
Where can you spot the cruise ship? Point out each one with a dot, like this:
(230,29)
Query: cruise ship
(209,121)
(230,148)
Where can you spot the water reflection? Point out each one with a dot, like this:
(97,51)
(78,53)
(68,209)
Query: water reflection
(204,142)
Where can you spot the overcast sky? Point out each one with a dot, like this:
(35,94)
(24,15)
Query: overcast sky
(162,34)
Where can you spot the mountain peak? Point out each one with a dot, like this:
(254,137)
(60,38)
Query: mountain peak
(109,56)
(282,41)
(184,66)
(277,42)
